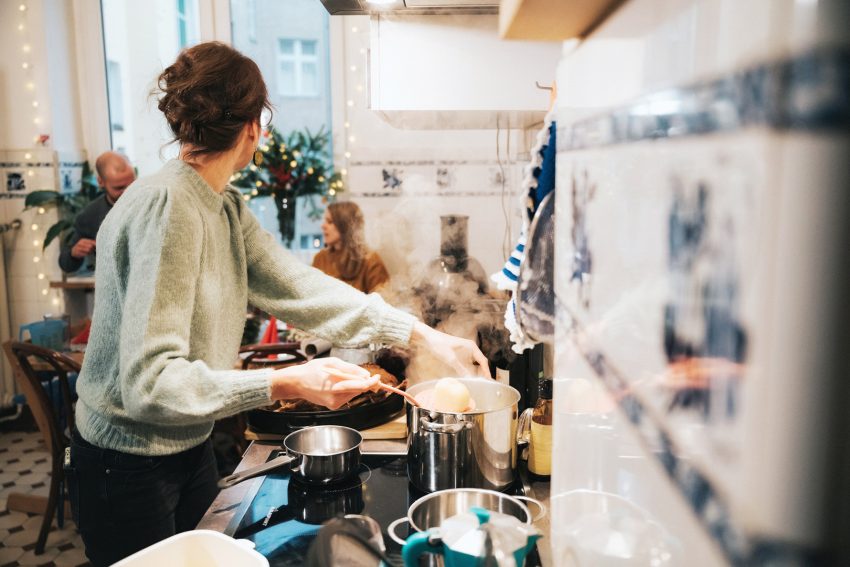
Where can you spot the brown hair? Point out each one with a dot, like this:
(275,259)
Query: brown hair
(208,95)
(348,220)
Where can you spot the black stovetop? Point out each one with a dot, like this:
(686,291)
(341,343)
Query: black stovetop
(285,515)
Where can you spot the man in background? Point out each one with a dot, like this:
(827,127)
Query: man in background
(114,174)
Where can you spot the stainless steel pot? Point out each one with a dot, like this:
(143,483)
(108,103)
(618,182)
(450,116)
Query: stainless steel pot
(431,510)
(475,449)
(318,455)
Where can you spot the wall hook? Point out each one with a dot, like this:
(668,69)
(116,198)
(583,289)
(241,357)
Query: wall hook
(543,87)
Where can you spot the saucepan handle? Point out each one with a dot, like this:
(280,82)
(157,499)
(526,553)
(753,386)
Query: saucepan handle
(252,472)
(541,507)
(391,530)
(523,431)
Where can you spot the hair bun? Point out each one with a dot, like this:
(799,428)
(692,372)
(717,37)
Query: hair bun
(204,89)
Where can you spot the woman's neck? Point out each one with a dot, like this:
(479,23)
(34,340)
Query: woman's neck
(215,170)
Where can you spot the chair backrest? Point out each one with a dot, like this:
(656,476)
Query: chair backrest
(23,357)
(265,356)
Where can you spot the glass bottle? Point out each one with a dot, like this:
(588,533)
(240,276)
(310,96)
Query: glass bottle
(540,447)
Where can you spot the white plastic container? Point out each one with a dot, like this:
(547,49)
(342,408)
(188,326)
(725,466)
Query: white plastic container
(198,548)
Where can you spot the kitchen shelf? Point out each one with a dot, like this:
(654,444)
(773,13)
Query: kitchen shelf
(552,20)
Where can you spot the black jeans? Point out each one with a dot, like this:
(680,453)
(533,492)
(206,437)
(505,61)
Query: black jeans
(123,503)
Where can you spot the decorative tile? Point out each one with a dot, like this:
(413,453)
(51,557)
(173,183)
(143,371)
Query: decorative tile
(62,538)
(30,558)
(34,523)
(20,465)
(39,491)
(22,538)
(10,554)
(30,479)
(72,558)
(8,477)
(12,520)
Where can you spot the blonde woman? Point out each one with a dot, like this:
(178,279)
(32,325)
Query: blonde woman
(346,256)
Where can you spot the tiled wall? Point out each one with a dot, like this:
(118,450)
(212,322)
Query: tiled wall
(404,179)
(28,268)
(699,203)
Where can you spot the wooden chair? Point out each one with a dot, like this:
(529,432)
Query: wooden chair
(265,356)
(25,358)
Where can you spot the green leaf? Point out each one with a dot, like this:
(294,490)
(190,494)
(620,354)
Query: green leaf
(42,198)
(55,231)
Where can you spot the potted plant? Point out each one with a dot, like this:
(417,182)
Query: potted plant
(292,166)
(69,205)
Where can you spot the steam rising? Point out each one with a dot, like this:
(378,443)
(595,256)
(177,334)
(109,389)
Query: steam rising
(435,280)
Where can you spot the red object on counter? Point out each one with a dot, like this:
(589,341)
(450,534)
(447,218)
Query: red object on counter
(270,337)
(82,337)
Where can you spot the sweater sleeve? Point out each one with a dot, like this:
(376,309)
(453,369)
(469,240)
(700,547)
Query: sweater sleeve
(66,261)
(313,301)
(158,380)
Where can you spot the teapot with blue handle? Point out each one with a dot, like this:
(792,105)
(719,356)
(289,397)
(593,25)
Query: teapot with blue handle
(475,538)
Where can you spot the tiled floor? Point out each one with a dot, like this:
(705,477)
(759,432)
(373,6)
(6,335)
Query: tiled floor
(25,468)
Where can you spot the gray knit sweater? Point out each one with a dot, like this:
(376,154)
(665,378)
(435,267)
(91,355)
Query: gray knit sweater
(177,265)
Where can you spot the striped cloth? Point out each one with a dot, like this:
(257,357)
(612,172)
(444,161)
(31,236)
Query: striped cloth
(538,181)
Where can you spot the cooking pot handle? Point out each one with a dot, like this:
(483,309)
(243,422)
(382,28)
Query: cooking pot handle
(523,432)
(252,472)
(433,427)
(541,512)
(391,530)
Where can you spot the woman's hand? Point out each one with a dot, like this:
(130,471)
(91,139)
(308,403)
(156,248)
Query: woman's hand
(328,382)
(462,355)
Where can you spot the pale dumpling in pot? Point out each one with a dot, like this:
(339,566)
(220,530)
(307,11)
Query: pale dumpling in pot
(450,395)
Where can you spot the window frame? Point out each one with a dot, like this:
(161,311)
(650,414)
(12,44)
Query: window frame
(214,24)
(298,60)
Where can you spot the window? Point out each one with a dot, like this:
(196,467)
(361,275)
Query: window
(138,46)
(187,23)
(115,96)
(298,67)
(251,17)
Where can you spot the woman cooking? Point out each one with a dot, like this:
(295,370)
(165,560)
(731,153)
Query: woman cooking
(180,257)
(346,256)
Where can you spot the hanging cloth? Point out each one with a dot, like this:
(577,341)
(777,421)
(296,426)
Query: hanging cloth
(538,181)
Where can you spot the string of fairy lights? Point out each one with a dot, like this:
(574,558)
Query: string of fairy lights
(358,79)
(30,93)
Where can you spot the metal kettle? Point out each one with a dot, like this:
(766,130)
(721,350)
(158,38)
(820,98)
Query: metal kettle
(477,538)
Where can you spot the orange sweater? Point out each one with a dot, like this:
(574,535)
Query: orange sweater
(372,273)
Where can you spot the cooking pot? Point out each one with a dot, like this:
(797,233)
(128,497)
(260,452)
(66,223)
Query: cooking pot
(475,449)
(433,509)
(317,455)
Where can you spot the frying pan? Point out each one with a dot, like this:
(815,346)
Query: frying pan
(315,455)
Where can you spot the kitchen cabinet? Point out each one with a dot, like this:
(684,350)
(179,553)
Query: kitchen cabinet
(453,72)
(552,20)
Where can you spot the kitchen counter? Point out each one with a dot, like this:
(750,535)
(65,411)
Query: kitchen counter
(230,505)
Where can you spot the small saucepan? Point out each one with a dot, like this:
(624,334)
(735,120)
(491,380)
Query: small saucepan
(316,455)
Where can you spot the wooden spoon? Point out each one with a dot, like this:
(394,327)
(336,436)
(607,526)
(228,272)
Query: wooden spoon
(410,399)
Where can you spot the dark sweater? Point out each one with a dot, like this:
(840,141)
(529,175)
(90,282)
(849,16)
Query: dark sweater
(86,225)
